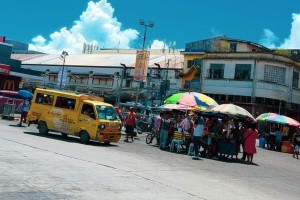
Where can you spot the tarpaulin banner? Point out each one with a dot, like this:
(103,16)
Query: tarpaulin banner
(62,76)
(141,65)
(4,69)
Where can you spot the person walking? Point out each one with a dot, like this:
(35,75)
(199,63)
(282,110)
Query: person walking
(129,123)
(249,141)
(198,133)
(24,108)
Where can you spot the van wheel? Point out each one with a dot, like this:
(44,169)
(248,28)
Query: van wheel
(43,128)
(84,137)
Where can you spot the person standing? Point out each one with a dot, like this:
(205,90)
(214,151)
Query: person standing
(249,141)
(157,121)
(164,128)
(129,123)
(278,139)
(296,143)
(187,125)
(157,124)
(24,108)
(198,133)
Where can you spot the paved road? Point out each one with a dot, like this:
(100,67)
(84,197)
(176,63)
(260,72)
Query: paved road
(53,167)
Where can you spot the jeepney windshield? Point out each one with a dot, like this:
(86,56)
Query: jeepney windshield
(107,113)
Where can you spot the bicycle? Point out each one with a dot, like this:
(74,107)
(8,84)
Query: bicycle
(151,136)
(142,126)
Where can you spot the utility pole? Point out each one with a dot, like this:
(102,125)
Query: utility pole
(166,78)
(121,83)
(148,86)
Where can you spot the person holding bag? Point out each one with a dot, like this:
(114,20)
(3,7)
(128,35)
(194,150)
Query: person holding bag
(249,141)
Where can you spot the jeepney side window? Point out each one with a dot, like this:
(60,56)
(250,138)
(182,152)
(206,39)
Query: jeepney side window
(48,99)
(88,110)
(39,98)
(63,102)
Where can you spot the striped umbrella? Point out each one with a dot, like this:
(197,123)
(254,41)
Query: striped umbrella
(172,107)
(192,99)
(262,117)
(233,110)
(281,119)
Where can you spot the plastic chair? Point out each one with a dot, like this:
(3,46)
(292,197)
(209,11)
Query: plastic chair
(178,141)
(191,151)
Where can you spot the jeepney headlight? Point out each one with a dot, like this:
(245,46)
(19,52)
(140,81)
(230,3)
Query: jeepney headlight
(119,127)
(101,126)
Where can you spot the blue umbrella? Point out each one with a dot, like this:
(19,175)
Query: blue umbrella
(25,94)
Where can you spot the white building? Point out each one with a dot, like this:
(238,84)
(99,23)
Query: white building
(241,72)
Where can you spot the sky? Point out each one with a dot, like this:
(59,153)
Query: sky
(65,25)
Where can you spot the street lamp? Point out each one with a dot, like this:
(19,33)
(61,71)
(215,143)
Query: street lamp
(63,56)
(121,83)
(150,24)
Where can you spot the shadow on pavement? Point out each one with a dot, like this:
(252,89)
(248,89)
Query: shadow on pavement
(69,138)
(16,125)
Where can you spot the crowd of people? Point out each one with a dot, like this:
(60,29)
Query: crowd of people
(209,136)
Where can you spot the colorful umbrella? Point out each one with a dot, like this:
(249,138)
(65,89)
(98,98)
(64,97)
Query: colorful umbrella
(281,119)
(192,99)
(173,107)
(25,94)
(233,110)
(262,117)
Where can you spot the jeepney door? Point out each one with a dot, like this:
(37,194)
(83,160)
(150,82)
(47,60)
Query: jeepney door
(87,120)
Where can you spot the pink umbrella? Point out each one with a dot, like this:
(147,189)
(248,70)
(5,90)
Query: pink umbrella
(281,119)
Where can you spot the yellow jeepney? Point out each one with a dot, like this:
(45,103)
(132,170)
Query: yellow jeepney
(74,114)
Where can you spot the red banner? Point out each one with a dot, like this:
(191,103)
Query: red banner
(4,69)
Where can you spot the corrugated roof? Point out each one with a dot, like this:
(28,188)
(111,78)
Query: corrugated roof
(104,60)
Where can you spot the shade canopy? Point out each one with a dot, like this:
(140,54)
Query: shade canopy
(233,110)
(192,99)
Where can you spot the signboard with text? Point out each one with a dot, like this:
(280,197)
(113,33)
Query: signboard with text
(141,65)
(4,69)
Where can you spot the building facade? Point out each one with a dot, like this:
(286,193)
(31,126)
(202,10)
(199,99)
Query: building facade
(101,73)
(244,73)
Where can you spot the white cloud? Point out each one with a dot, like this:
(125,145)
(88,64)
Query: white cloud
(293,41)
(269,39)
(95,25)
(157,44)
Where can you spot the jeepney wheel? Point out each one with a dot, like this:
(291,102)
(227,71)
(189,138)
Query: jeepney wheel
(43,128)
(84,137)
(64,135)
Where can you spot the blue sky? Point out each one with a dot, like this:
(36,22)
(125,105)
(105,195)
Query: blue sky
(56,25)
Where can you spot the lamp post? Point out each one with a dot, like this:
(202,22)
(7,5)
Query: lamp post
(150,24)
(63,56)
(121,83)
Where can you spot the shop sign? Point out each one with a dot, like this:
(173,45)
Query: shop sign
(4,69)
